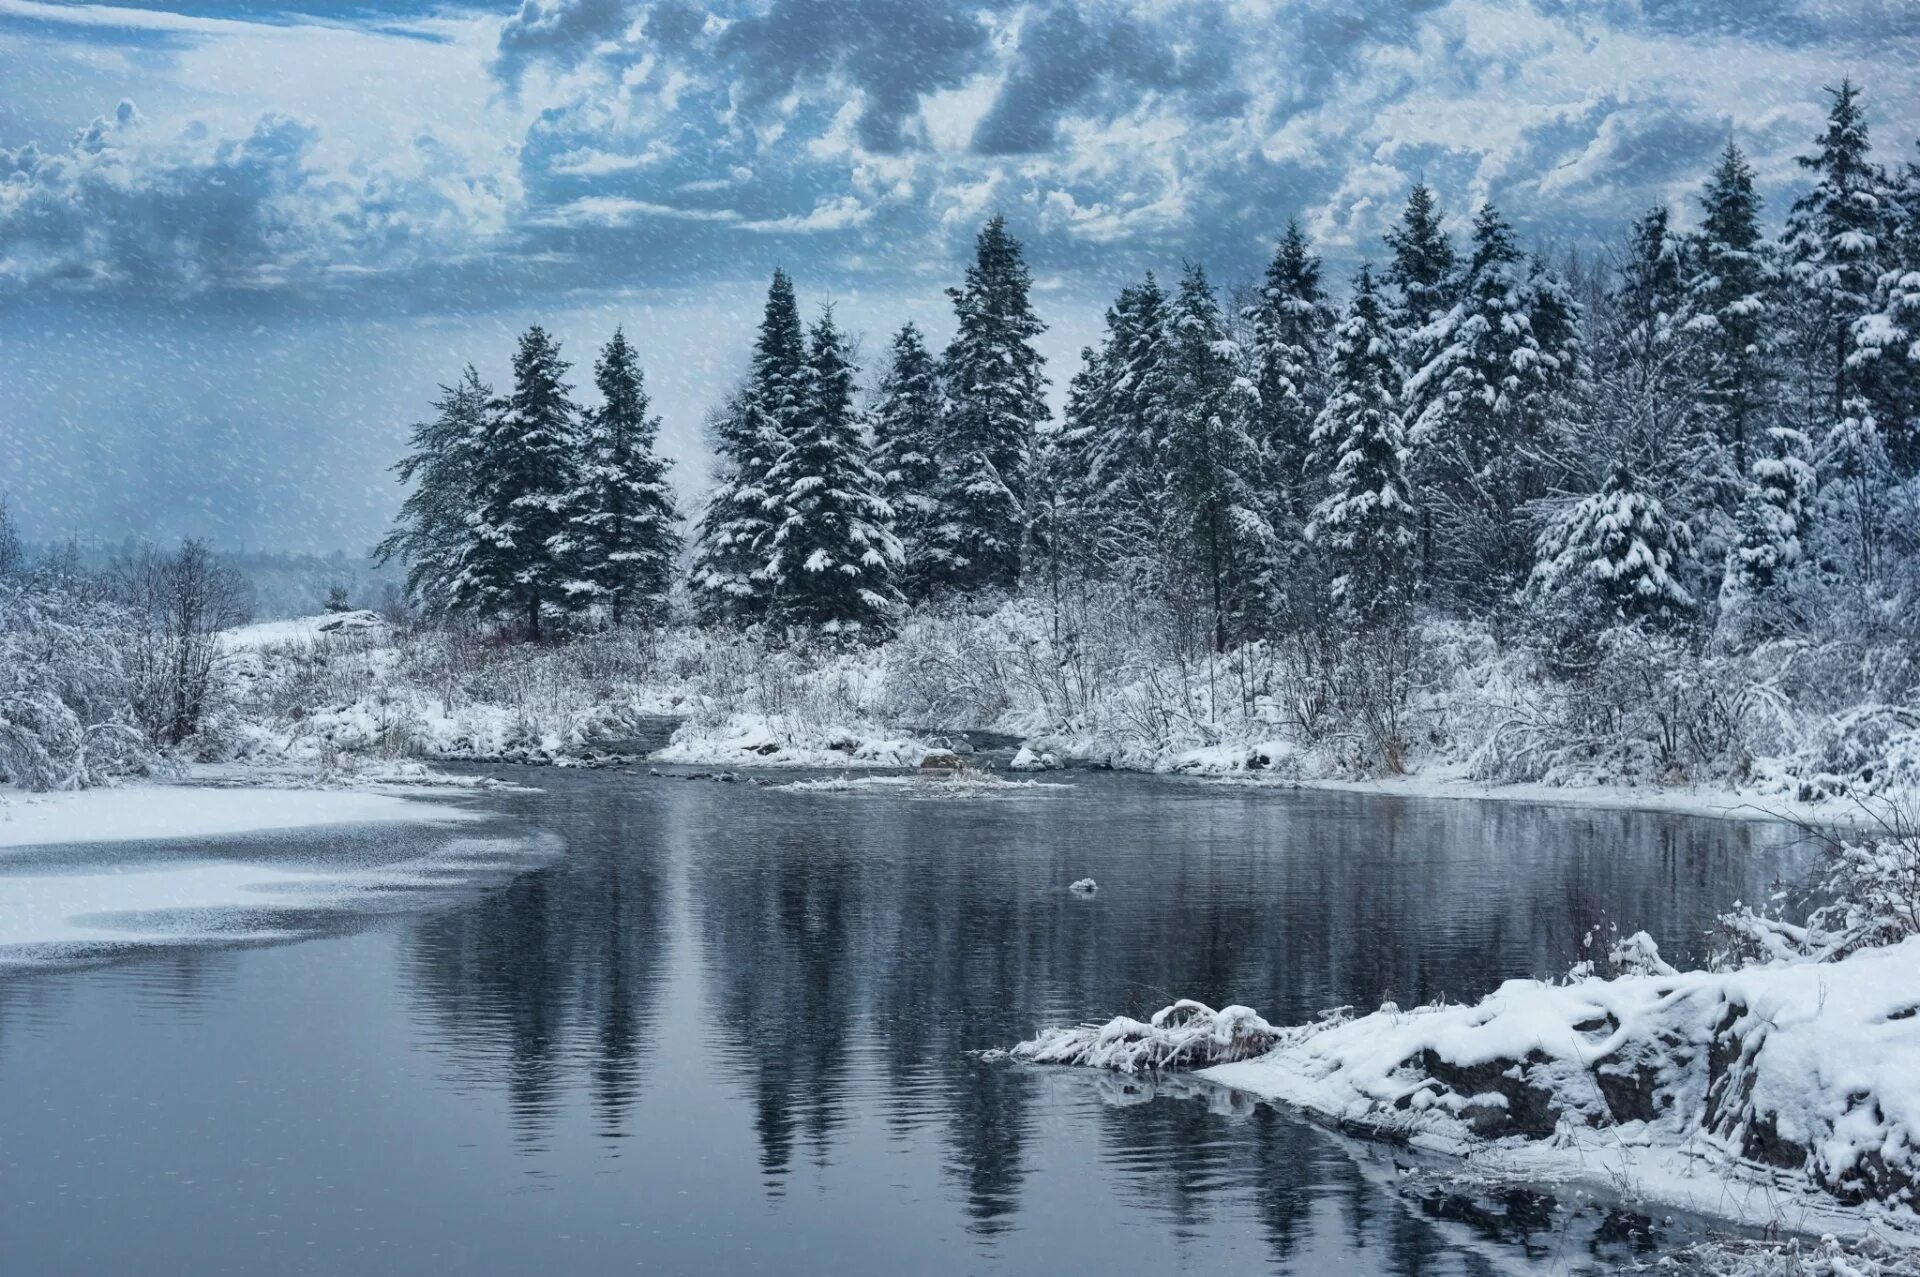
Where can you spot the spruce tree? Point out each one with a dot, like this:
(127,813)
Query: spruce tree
(995,397)
(1833,242)
(1618,546)
(750,435)
(1653,282)
(624,530)
(906,453)
(526,467)
(1125,420)
(1887,340)
(1732,305)
(1503,363)
(1365,522)
(1775,515)
(1292,322)
(1423,277)
(436,529)
(1647,363)
(833,553)
(1215,464)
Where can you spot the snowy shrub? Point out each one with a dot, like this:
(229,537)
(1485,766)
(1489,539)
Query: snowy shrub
(1864,893)
(65,720)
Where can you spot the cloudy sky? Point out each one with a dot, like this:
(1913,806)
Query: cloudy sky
(241,243)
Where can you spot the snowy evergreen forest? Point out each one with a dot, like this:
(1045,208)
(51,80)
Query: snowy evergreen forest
(1710,433)
(1639,514)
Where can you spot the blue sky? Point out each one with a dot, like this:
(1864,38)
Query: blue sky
(240,243)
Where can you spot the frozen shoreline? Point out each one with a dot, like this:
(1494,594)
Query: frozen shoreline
(92,874)
(146,812)
(1777,1095)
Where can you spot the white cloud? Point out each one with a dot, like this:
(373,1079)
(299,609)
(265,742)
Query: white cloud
(829,215)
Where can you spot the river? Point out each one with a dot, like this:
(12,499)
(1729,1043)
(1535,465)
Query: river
(730,1028)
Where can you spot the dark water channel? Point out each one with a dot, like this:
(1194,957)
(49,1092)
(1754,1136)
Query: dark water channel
(729,1030)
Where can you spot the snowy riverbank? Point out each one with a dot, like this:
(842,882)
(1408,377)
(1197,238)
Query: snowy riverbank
(1777,1089)
(88,875)
(145,812)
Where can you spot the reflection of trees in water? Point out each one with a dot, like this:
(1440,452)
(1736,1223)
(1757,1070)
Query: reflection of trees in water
(556,972)
(778,931)
(856,950)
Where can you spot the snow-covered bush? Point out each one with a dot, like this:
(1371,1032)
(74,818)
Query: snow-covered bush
(1864,893)
(65,717)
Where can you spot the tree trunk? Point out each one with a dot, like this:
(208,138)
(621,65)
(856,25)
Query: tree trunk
(533,616)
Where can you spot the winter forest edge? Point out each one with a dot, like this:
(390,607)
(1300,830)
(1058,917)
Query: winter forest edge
(1646,520)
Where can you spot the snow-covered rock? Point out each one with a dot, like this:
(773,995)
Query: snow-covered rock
(1084,886)
(302,629)
(1796,1073)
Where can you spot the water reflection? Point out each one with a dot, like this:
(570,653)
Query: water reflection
(738,1024)
(849,952)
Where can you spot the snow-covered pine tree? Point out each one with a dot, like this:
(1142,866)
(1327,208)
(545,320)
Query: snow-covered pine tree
(995,400)
(1124,421)
(626,542)
(906,453)
(1617,546)
(1066,482)
(1772,526)
(1645,409)
(1504,361)
(749,435)
(1653,285)
(833,554)
(436,529)
(1423,277)
(1887,340)
(1365,521)
(1292,321)
(1216,466)
(1733,308)
(1835,249)
(1833,242)
(520,558)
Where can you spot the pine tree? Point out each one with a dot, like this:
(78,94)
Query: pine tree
(1732,304)
(1648,367)
(1366,519)
(995,396)
(833,554)
(520,558)
(1653,282)
(1423,276)
(1774,515)
(750,435)
(1292,322)
(1833,241)
(1123,417)
(436,529)
(1887,340)
(624,521)
(1504,360)
(906,453)
(1215,464)
(1617,545)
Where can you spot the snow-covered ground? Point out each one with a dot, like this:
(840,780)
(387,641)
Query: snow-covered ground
(1485,721)
(302,629)
(139,812)
(756,740)
(1785,1094)
(90,873)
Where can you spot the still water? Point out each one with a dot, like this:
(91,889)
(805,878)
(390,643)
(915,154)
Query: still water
(728,1029)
